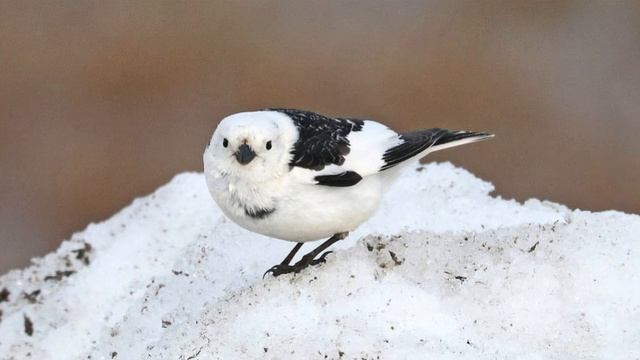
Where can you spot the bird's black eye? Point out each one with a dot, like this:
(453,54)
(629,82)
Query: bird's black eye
(225,142)
(269,145)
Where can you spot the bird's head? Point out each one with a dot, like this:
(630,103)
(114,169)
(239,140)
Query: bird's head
(253,145)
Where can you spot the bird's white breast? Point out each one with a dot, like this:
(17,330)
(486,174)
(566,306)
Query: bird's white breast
(302,212)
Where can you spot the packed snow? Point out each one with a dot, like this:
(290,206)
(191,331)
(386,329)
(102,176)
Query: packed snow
(444,270)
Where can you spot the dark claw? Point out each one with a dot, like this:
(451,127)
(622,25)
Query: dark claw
(281,269)
(321,259)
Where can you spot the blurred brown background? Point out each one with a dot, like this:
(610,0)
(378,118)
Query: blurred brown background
(104,101)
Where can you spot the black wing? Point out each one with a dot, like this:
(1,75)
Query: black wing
(418,141)
(322,140)
(344,179)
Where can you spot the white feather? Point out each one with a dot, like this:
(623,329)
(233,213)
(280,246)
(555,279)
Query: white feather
(302,210)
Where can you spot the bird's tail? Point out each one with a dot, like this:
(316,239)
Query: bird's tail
(456,138)
(422,142)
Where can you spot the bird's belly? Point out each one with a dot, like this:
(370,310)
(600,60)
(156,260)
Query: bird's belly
(313,212)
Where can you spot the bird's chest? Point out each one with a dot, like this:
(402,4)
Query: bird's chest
(241,199)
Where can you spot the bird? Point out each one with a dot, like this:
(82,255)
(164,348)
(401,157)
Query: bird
(300,176)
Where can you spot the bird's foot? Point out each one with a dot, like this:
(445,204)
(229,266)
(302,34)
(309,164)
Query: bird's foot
(279,269)
(305,262)
(321,259)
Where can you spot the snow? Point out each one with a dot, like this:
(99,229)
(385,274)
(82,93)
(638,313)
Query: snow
(443,270)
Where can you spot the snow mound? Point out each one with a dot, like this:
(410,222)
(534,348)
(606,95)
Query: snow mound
(443,270)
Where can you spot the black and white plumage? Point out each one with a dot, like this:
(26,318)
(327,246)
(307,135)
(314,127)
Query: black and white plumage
(300,176)
(321,141)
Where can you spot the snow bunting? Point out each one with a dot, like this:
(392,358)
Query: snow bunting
(300,176)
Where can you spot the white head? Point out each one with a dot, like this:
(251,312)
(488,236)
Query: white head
(255,145)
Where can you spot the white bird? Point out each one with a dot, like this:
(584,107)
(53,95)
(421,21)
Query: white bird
(300,176)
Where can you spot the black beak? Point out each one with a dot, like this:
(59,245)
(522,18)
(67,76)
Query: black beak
(245,154)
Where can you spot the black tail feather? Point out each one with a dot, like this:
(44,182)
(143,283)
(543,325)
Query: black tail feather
(418,141)
(451,136)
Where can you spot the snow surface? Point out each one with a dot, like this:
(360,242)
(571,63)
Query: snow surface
(444,270)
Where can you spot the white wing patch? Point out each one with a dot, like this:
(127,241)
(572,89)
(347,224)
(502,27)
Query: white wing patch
(368,146)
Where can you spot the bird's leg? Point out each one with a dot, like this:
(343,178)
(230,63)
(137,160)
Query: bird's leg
(293,253)
(285,263)
(308,259)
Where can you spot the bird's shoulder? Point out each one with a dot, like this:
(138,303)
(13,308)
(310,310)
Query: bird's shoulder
(322,140)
